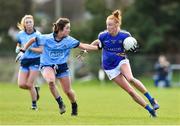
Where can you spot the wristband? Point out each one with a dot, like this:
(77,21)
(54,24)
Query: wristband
(21,50)
(99,48)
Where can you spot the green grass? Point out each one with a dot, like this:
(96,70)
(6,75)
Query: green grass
(98,104)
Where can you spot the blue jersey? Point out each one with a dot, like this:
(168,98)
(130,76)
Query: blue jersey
(56,52)
(112,46)
(22,38)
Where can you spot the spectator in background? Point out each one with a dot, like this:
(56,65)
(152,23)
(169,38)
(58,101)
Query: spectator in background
(162,76)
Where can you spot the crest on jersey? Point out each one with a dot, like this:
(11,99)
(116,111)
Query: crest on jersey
(113,41)
(120,41)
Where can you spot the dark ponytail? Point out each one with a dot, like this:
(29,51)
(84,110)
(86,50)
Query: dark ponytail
(60,24)
(55,28)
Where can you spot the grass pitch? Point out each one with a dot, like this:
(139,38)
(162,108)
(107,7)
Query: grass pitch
(98,105)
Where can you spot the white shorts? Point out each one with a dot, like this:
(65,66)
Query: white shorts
(116,71)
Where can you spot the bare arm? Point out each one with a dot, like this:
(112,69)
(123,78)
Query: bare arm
(92,46)
(87,46)
(29,43)
(95,42)
(37,50)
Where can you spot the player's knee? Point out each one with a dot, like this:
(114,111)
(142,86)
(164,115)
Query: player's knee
(22,85)
(50,81)
(52,85)
(29,86)
(130,79)
(68,92)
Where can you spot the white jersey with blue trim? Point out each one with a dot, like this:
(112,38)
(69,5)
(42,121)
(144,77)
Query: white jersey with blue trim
(112,46)
(22,38)
(56,52)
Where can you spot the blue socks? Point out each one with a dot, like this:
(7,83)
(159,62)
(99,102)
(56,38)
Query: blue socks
(148,108)
(148,96)
(59,100)
(34,104)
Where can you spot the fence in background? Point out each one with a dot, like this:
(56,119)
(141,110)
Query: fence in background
(141,65)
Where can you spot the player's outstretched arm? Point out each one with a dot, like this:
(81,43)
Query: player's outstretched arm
(87,47)
(95,42)
(82,53)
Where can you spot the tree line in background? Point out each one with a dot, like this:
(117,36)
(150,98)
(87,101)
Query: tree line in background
(154,23)
(11,12)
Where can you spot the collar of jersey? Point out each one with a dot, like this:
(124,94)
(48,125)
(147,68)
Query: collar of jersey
(54,35)
(30,33)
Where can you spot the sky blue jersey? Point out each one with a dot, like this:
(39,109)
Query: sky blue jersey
(22,38)
(111,47)
(56,52)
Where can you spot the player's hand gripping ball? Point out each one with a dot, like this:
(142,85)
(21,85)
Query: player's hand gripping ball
(130,44)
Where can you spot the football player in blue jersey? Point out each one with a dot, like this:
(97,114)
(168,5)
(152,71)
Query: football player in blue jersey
(53,62)
(115,62)
(30,61)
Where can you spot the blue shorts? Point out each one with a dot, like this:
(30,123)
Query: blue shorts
(31,67)
(63,74)
(61,70)
(30,64)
